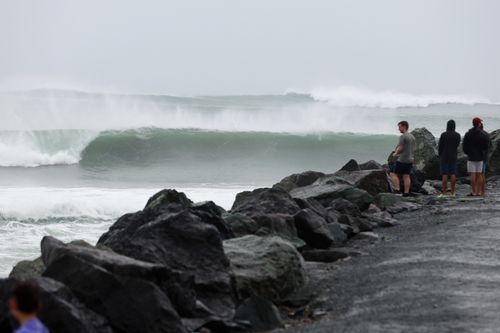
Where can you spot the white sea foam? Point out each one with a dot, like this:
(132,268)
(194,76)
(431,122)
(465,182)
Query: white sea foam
(28,214)
(348,96)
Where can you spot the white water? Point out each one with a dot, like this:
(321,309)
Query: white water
(28,214)
(347,96)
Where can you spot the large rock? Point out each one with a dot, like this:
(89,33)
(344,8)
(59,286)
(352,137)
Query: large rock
(130,304)
(494,162)
(62,312)
(261,314)
(345,207)
(177,285)
(372,181)
(385,200)
(264,201)
(313,229)
(178,236)
(352,165)
(241,224)
(426,154)
(298,179)
(370,165)
(269,267)
(282,225)
(328,192)
(27,269)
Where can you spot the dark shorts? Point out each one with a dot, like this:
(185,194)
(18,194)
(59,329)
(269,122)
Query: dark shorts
(448,169)
(403,168)
(485,166)
(392,167)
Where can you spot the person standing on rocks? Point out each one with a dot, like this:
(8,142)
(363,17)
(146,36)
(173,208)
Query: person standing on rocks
(405,155)
(447,148)
(24,305)
(475,146)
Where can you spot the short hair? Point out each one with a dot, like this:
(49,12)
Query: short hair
(404,123)
(27,296)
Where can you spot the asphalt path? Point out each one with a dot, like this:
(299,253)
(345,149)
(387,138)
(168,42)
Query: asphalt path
(438,271)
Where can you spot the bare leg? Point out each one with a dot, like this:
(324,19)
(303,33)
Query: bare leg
(473,183)
(453,184)
(479,183)
(483,184)
(444,184)
(477,188)
(395,181)
(407,183)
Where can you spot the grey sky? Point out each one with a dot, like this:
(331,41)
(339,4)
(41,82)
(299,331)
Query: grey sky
(250,47)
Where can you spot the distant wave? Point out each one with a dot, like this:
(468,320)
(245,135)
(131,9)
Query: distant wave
(146,146)
(347,96)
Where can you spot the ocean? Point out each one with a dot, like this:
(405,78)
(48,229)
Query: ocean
(72,162)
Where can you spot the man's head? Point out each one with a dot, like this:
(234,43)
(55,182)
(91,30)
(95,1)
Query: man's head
(403,126)
(476,122)
(25,300)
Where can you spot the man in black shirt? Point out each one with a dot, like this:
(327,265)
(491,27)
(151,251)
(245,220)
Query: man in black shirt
(448,145)
(475,146)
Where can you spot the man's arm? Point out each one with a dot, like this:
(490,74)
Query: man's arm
(400,147)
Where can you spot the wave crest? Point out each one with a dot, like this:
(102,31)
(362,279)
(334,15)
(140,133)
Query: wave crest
(348,96)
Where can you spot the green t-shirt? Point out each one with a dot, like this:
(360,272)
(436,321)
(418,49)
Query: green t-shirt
(407,141)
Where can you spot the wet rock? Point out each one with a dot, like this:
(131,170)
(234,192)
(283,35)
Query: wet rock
(338,234)
(241,224)
(210,213)
(356,223)
(312,228)
(370,165)
(372,181)
(264,201)
(62,312)
(345,207)
(426,155)
(385,200)
(130,304)
(352,165)
(298,179)
(178,286)
(349,230)
(315,206)
(169,232)
(494,162)
(166,198)
(328,192)
(262,314)
(269,267)
(27,269)
(281,225)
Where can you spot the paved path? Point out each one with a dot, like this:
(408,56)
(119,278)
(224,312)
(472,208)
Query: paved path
(439,271)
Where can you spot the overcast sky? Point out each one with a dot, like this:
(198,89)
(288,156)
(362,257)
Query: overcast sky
(251,47)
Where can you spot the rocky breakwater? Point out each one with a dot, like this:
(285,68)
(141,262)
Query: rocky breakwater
(179,266)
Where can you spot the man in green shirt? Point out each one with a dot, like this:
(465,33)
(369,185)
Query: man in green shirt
(405,155)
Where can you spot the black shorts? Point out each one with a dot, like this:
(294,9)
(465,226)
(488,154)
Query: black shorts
(403,168)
